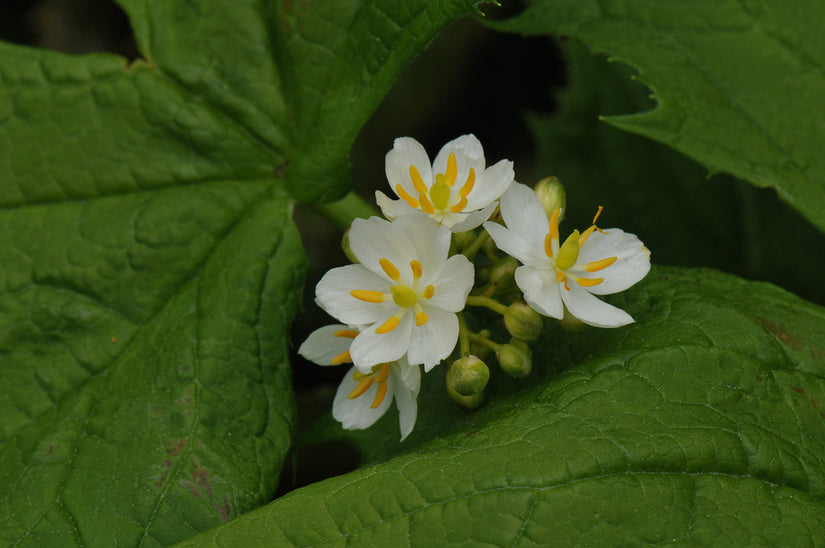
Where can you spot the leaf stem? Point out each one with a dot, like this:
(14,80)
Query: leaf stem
(346,210)
(473,248)
(487,302)
(492,345)
(463,336)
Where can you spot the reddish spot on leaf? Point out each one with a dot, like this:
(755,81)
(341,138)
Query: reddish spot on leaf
(177,449)
(193,489)
(200,475)
(814,402)
(760,377)
(224,509)
(798,390)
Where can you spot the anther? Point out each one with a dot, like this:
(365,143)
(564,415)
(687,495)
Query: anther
(361,387)
(548,245)
(348,333)
(368,296)
(388,325)
(412,202)
(389,269)
(595,266)
(429,291)
(344,357)
(452,170)
(416,268)
(379,395)
(589,282)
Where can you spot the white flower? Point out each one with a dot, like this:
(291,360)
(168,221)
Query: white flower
(405,292)
(456,191)
(595,262)
(363,398)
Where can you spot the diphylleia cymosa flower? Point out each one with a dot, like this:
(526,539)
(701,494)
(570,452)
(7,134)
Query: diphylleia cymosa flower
(405,292)
(363,398)
(553,275)
(456,190)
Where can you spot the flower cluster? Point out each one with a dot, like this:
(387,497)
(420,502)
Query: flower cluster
(400,304)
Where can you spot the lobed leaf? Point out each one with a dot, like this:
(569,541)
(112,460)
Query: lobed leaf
(700,424)
(150,266)
(735,82)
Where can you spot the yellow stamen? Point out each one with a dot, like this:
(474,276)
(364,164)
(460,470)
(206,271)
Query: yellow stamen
(452,170)
(406,197)
(548,245)
(368,296)
(416,268)
(348,333)
(562,277)
(420,318)
(568,252)
(595,266)
(429,291)
(403,296)
(418,183)
(599,212)
(554,225)
(440,193)
(380,394)
(361,387)
(589,282)
(459,207)
(388,325)
(341,358)
(586,234)
(382,373)
(426,206)
(389,269)
(468,185)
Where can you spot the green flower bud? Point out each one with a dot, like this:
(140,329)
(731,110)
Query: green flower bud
(515,358)
(501,274)
(466,402)
(523,322)
(347,250)
(551,194)
(571,323)
(468,376)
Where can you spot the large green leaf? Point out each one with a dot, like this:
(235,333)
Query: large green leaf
(737,83)
(150,266)
(701,423)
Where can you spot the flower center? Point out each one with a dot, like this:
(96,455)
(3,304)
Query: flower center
(568,252)
(439,197)
(402,295)
(379,375)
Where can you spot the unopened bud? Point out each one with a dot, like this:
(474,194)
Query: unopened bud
(466,402)
(347,249)
(468,376)
(501,274)
(515,358)
(522,321)
(551,194)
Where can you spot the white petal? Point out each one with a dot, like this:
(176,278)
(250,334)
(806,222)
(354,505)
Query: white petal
(322,345)
(394,208)
(370,348)
(374,239)
(357,413)
(468,154)
(452,283)
(407,152)
(333,292)
(513,243)
(430,240)
(591,310)
(405,381)
(541,291)
(435,340)
(472,220)
(491,184)
(632,260)
(523,213)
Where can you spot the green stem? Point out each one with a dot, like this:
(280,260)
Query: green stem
(487,302)
(494,346)
(346,210)
(473,248)
(463,336)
